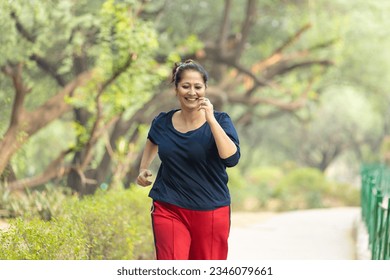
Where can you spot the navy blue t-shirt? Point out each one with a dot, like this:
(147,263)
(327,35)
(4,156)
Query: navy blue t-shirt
(191,175)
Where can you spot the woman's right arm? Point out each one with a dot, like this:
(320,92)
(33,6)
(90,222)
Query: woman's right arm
(148,155)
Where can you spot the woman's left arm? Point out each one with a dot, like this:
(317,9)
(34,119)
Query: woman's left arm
(225,145)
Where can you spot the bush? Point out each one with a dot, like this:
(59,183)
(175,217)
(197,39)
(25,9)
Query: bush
(305,188)
(254,190)
(41,240)
(117,224)
(108,225)
(281,189)
(302,188)
(43,203)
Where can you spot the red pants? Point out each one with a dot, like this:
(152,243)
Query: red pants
(183,234)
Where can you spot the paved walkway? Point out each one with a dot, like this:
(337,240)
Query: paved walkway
(320,234)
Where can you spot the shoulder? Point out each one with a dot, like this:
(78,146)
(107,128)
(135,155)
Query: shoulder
(221,116)
(226,123)
(163,116)
(159,125)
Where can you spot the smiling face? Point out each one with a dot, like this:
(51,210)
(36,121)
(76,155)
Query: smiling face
(190,88)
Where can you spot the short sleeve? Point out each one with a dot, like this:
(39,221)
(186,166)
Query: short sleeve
(156,128)
(227,125)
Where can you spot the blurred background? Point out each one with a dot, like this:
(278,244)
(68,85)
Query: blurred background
(304,81)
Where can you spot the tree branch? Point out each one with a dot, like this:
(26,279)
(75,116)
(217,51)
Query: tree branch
(254,101)
(287,106)
(95,132)
(277,54)
(41,62)
(55,106)
(21,29)
(258,81)
(48,68)
(292,39)
(28,123)
(132,57)
(15,72)
(246,27)
(285,68)
(223,34)
(54,170)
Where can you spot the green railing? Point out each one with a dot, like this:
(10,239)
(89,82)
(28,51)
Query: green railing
(375,203)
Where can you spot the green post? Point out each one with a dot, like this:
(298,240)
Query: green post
(386,239)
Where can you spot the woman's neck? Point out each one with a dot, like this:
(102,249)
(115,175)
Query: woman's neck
(191,117)
(185,121)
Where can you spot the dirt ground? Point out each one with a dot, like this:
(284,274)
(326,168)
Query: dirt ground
(3,224)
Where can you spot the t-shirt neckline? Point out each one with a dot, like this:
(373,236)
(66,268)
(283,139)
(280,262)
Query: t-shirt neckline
(179,132)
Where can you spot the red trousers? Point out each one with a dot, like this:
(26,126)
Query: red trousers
(183,234)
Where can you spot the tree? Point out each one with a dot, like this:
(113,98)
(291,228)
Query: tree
(345,122)
(112,52)
(358,94)
(228,54)
(256,85)
(351,120)
(87,65)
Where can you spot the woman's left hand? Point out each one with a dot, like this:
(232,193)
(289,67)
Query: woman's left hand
(207,107)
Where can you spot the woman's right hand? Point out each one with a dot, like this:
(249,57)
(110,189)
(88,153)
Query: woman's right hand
(142,178)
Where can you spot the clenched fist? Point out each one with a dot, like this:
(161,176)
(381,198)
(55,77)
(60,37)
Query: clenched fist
(142,178)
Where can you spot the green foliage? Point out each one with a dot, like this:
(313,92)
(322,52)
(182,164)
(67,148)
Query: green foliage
(117,224)
(122,36)
(281,189)
(302,188)
(252,191)
(52,31)
(109,225)
(72,37)
(35,239)
(182,19)
(126,46)
(44,203)
(51,139)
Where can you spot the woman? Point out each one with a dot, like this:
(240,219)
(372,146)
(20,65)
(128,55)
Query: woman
(191,200)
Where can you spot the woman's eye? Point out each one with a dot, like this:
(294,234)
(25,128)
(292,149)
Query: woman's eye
(188,87)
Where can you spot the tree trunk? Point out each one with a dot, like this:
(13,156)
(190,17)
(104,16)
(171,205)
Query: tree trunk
(25,124)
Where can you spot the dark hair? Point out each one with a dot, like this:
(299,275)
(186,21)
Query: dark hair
(189,64)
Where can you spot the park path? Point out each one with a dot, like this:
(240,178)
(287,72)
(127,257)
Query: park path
(317,234)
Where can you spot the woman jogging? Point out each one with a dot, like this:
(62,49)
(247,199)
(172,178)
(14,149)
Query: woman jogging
(191,200)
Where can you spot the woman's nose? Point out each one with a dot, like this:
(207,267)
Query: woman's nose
(192,91)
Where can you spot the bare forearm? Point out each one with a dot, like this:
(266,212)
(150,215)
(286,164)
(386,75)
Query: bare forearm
(149,154)
(225,145)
